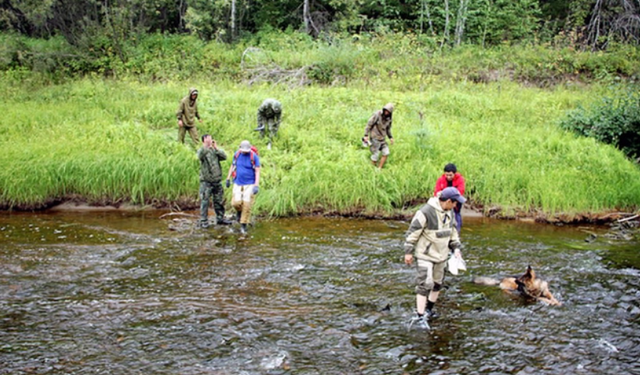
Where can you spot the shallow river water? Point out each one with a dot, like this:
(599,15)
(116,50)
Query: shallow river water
(121,293)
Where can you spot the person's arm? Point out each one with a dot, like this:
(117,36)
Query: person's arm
(367,129)
(201,154)
(278,117)
(180,112)
(232,168)
(461,184)
(260,116)
(198,113)
(389,132)
(454,242)
(416,228)
(221,154)
(439,186)
(257,183)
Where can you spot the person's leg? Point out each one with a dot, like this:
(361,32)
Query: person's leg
(458,213)
(205,194)
(236,199)
(384,150)
(438,279)
(218,203)
(424,284)
(375,155)
(247,203)
(181,132)
(193,132)
(383,159)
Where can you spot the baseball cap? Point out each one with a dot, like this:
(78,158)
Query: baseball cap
(453,194)
(245,146)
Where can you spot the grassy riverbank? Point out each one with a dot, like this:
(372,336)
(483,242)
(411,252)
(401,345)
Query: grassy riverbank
(107,141)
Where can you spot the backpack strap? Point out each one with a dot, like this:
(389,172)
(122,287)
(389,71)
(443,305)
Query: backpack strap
(251,155)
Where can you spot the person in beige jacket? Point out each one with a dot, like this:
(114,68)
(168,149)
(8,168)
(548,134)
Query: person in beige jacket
(376,132)
(431,237)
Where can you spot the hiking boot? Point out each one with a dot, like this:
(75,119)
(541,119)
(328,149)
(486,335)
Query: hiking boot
(430,314)
(203,224)
(419,322)
(223,221)
(243,228)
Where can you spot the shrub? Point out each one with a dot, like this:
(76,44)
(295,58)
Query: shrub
(615,121)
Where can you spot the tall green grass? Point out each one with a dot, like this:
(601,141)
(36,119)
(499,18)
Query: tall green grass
(111,141)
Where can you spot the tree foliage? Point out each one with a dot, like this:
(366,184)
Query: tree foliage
(94,23)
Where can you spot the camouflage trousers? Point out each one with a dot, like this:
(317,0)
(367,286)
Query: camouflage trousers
(210,190)
(193,132)
(272,126)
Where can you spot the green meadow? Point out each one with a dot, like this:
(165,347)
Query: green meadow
(114,140)
(106,141)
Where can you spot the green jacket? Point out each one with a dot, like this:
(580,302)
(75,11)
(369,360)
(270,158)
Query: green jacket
(210,170)
(188,110)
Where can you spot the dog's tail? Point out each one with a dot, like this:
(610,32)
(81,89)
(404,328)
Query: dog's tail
(485,281)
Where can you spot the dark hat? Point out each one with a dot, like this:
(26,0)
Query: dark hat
(453,194)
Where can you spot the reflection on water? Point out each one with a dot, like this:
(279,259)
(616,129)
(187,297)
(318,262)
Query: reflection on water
(118,293)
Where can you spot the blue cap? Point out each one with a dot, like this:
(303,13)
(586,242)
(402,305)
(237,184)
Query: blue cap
(453,194)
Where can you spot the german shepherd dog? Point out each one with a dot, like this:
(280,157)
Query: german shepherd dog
(527,285)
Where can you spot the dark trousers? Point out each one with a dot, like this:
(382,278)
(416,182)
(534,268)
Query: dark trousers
(210,190)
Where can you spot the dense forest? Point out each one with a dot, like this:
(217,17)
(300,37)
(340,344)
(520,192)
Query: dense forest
(100,23)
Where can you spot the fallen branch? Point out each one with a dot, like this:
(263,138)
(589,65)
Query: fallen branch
(178,214)
(628,218)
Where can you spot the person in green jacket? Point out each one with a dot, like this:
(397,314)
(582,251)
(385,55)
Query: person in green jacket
(269,115)
(211,181)
(187,114)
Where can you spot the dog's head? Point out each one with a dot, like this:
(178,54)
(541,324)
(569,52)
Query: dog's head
(535,288)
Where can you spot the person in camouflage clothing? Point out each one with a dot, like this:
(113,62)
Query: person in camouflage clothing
(375,133)
(187,114)
(211,181)
(269,115)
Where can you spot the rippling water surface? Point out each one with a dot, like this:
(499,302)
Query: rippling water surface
(120,293)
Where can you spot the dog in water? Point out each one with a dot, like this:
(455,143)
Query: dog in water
(527,285)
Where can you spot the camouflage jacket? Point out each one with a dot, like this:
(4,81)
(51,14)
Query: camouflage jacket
(210,170)
(378,126)
(269,109)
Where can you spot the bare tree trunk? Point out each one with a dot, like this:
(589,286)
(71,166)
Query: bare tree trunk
(595,24)
(233,20)
(306,17)
(429,18)
(425,9)
(181,13)
(445,37)
(461,21)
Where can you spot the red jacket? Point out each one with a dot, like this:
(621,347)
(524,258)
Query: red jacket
(457,182)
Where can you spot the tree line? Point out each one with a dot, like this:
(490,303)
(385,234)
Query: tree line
(590,24)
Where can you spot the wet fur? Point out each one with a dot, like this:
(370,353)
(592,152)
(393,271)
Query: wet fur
(527,285)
